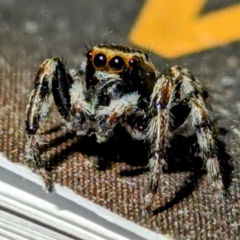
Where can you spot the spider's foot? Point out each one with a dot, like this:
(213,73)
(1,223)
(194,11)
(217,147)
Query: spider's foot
(219,191)
(215,182)
(49,185)
(149,199)
(147,213)
(94,161)
(33,156)
(32,152)
(29,157)
(98,162)
(218,185)
(104,132)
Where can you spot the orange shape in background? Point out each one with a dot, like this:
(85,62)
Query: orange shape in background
(173,28)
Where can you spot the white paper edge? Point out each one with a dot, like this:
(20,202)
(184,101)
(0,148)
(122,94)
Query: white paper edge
(67,193)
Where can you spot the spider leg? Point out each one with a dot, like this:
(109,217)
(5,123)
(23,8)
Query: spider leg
(118,109)
(158,132)
(51,77)
(81,110)
(174,88)
(204,129)
(201,120)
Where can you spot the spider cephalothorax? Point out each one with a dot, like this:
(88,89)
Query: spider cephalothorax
(120,86)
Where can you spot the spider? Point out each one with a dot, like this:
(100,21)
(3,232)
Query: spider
(120,86)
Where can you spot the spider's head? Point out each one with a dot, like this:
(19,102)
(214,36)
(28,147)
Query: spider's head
(116,58)
(133,66)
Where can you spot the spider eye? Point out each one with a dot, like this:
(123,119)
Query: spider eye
(116,63)
(132,62)
(100,60)
(89,55)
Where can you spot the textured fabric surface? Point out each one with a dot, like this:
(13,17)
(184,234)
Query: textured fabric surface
(185,203)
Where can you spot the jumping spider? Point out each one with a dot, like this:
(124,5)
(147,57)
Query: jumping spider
(120,86)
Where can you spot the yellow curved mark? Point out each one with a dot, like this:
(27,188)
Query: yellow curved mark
(173,28)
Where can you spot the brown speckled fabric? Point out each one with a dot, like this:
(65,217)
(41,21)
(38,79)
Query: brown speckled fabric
(186,207)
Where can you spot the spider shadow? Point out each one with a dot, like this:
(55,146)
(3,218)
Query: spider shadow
(123,148)
(118,149)
(183,160)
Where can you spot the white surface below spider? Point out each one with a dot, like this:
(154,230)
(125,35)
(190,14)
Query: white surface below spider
(120,85)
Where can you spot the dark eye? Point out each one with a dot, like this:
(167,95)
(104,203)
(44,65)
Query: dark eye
(89,55)
(116,63)
(133,62)
(100,60)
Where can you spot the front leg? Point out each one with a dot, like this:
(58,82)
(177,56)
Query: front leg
(119,109)
(51,77)
(82,111)
(158,133)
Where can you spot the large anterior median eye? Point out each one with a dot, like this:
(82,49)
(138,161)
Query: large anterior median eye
(100,60)
(116,63)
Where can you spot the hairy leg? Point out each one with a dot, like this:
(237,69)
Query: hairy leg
(158,132)
(51,77)
(118,109)
(201,120)
(178,87)
(81,110)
